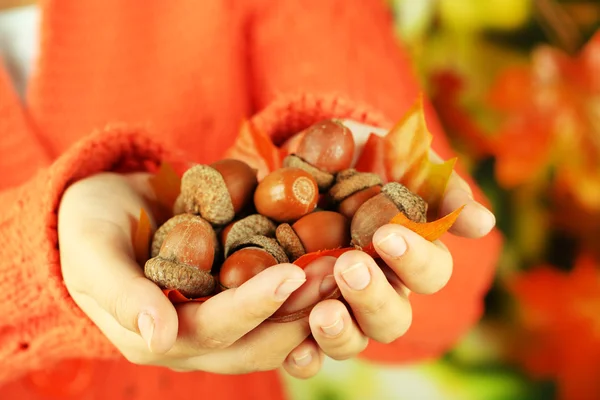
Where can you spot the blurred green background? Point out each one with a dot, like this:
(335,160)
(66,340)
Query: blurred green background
(517,86)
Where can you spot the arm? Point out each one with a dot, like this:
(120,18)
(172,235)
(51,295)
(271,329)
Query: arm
(39,322)
(313,60)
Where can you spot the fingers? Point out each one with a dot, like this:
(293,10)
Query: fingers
(305,361)
(475,220)
(382,313)
(225,318)
(336,333)
(424,267)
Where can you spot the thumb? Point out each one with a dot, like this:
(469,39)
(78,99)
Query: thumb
(138,305)
(102,264)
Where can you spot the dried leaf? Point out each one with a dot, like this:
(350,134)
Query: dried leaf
(176,297)
(142,238)
(372,157)
(407,158)
(166,185)
(310,257)
(256,149)
(429,230)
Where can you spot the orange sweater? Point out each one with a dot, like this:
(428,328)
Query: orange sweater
(117,84)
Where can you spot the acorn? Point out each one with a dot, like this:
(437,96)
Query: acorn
(217,192)
(249,257)
(352,189)
(185,259)
(249,226)
(321,230)
(286,195)
(380,209)
(326,148)
(162,232)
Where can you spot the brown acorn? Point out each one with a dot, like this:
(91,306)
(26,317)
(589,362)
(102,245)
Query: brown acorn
(286,194)
(380,209)
(326,148)
(249,257)
(217,192)
(352,189)
(321,230)
(185,259)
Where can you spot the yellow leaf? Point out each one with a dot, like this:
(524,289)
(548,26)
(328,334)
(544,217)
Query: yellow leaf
(407,158)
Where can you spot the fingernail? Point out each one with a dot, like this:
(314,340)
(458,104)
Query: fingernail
(146,327)
(393,245)
(334,329)
(288,287)
(488,220)
(327,285)
(303,360)
(357,276)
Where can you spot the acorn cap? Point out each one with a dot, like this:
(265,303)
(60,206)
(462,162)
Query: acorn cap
(252,225)
(324,179)
(409,203)
(204,193)
(265,243)
(190,281)
(351,181)
(290,242)
(163,231)
(380,209)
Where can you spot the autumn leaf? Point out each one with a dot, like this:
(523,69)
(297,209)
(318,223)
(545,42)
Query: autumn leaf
(166,184)
(559,316)
(176,297)
(371,158)
(142,238)
(407,158)
(256,149)
(429,230)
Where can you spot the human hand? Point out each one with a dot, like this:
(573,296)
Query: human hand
(227,334)
(377,293)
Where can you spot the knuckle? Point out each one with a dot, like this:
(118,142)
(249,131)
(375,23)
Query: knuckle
(394,331)
(439,277)
(347,348)
(373,306)
(211,342)
(256,360)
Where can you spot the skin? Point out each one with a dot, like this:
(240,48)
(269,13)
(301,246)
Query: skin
(229,333)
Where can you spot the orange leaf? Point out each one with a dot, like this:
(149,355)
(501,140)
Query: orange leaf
(256,149)
(176,297)
(166,185)
(372,157)
(141,238)
(310,257)
(407,158)
(429,230)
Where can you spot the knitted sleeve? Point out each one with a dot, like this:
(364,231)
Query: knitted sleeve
(39,322)
(317,59)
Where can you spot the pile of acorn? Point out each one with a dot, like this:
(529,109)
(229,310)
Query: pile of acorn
(227,226)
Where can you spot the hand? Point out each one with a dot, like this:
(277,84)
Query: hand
(379,295)
(227,334)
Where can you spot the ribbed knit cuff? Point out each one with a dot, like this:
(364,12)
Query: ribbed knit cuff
(39,322)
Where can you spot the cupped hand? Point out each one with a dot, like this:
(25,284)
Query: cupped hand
(376,294)
(227,334)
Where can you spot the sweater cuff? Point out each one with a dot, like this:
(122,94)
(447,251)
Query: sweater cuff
(45,324)
(291,114)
